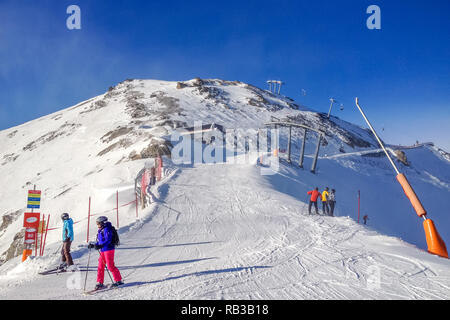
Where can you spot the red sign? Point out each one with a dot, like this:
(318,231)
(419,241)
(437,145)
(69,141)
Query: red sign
(30,237)
(31,220)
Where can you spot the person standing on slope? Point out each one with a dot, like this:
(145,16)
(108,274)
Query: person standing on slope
(313,200)
(67,237)
(325,201)
(332,201)
(107,249)
(365,218)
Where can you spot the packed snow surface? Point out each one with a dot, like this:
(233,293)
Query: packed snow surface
(224,232)
(220,231)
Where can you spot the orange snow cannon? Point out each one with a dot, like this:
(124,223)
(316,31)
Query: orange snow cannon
(434,241)
(26,253)
(409,192)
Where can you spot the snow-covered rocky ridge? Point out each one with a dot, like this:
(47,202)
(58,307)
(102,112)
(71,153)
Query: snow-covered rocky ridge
(97,147)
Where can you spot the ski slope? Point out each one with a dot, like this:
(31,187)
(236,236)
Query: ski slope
(219,231)
(227,232)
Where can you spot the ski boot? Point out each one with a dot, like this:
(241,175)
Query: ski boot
(118,283)
(99,286)
(62,267)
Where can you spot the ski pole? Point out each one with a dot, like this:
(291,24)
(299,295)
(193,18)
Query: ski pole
(306,203)
(58,250)
(104,262)
(87,269)
(434,242)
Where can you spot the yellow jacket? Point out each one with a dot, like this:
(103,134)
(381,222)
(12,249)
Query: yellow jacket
(324,195)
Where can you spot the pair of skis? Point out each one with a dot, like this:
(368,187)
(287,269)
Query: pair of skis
(90,292)
(105,288)
(58,271)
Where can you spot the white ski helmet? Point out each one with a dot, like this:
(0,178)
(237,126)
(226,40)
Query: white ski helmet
(101,220)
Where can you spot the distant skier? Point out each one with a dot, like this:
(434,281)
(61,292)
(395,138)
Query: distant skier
(105,243)
(365,218)
(325,201)
(67,237)
(313,200)
(332,201)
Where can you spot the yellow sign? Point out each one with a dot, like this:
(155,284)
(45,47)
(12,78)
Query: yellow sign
(41,228)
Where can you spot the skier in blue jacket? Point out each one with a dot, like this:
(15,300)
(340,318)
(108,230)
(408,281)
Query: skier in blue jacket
(67,237)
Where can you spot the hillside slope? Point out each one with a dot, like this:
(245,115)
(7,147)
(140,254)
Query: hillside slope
(236,237)
(96,148)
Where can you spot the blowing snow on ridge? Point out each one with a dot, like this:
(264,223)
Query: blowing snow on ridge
(237,227)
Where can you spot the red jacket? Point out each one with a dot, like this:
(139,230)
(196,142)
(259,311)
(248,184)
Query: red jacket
(314,195)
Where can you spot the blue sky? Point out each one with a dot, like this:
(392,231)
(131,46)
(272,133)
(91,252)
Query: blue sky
(401,73)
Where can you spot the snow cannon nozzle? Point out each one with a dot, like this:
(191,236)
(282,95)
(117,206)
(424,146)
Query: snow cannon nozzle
(434,241)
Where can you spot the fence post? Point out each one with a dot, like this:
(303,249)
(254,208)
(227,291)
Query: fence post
(46,230)
(42,234)
(36,243)
(136,204)
(160,167)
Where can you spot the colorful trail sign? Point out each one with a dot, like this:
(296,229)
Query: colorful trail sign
(34,199)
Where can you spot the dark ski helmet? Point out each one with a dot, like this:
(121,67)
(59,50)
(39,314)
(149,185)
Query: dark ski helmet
(65,216)
(101,220)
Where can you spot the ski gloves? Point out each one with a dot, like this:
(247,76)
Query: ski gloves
(94,245)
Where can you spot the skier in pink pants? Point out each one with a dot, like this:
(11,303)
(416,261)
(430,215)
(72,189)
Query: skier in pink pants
(106,244)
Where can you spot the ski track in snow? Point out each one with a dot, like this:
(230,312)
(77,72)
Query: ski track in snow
(232,236)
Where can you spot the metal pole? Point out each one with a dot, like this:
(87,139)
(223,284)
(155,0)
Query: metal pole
(276,139)
(257,142)
(289,144)
(400,177)
(87,270)
(302,151)
(331,105)
(89,219)
(313,167)
(359,203)
(376,136)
